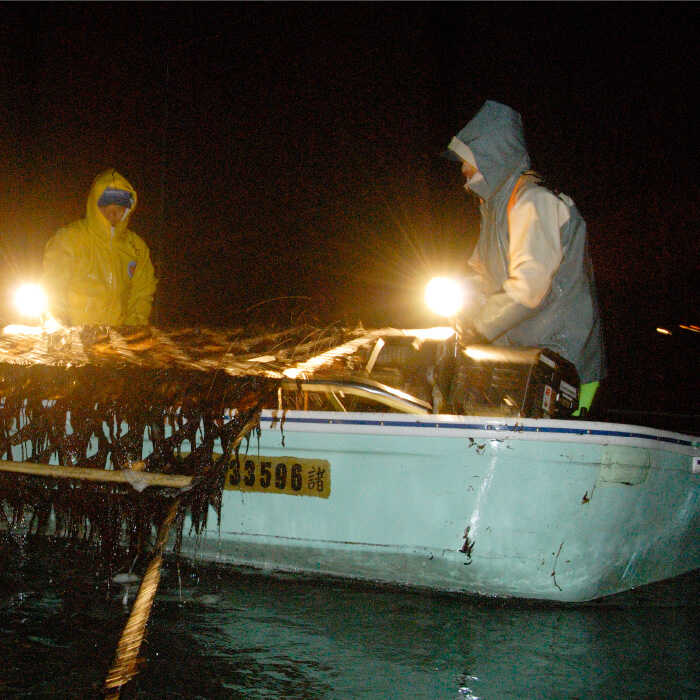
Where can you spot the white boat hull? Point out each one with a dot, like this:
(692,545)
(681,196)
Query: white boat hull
(556,510)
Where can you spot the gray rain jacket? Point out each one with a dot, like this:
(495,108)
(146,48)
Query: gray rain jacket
(567,319)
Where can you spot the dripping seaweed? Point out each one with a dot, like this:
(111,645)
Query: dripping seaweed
(89,399)
(99,419)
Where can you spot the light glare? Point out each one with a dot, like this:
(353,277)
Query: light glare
(31,301)
(444,296)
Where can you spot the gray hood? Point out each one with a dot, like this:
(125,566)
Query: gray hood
(496,138)
(567,320)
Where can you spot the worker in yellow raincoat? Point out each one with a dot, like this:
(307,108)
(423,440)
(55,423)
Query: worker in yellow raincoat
(96,270)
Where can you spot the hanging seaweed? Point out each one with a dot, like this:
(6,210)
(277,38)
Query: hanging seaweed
(108,436)
(140,402)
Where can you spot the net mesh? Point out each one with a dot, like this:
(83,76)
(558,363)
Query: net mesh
(139,400)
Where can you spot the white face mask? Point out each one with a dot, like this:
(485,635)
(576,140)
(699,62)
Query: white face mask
(477,185)
(475,179)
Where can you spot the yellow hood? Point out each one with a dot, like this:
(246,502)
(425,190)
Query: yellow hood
(96,275)
(96,221)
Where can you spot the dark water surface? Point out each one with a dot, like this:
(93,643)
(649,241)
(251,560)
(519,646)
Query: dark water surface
(218,633)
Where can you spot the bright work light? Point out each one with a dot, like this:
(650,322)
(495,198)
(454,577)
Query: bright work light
(444,296)
(31,301)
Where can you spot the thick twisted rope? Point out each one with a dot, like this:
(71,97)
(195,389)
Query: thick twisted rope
(125,664)
(126,660)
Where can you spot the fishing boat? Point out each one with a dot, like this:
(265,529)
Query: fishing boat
(347,454)
(358,479)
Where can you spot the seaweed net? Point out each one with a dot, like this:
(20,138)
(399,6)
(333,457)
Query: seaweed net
(79,404)
(140,401)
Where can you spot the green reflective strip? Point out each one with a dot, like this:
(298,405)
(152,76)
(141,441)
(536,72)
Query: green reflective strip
(585,396)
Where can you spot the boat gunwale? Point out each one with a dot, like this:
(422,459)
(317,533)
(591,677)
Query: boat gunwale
(489,427)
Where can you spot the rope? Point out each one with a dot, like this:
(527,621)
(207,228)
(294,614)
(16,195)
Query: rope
(126,661)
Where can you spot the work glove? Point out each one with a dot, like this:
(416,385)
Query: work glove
(500,313)
(468,335)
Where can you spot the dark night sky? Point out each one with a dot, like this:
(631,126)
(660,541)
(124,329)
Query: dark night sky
(297,146)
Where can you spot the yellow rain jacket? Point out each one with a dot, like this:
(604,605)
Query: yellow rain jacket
(96,274)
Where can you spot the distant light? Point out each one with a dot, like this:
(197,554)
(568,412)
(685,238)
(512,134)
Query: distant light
(444,296)
(664,331)
(31,301)
(693,328)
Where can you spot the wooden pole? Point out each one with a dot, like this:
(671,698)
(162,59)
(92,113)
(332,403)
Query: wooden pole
(133,476)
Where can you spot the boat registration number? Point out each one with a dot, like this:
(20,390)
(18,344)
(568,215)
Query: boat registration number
(286,475)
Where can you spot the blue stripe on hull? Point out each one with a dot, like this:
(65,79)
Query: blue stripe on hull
(511,427)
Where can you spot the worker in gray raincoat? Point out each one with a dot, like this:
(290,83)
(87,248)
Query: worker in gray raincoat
(531,258)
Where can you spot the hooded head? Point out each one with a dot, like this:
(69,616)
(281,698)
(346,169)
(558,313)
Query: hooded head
(110,189)
(494,141)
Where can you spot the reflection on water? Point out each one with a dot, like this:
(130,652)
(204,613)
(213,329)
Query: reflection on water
(216,633)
